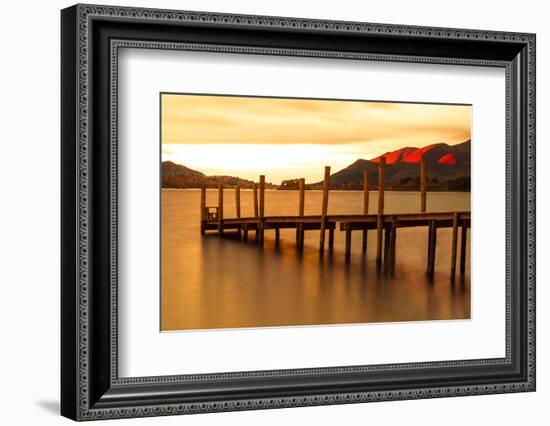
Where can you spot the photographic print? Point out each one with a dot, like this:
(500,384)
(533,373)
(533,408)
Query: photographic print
(293,212)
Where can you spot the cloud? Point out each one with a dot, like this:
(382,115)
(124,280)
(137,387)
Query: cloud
(197,119)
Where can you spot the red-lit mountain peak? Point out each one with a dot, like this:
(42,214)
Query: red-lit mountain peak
(447,159)
(417,155)
(395,157)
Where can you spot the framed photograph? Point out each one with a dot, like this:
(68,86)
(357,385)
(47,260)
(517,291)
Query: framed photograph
(263,212)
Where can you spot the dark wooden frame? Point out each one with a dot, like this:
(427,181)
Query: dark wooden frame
(90,386)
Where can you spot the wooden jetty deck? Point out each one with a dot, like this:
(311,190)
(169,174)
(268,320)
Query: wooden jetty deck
(385,225)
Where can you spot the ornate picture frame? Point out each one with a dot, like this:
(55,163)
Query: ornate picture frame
(91,37)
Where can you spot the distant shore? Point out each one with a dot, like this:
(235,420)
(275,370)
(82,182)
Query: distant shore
(319,189)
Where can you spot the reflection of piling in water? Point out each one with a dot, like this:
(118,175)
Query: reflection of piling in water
(386,225)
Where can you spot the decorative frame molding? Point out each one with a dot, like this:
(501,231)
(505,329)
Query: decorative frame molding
(91,388)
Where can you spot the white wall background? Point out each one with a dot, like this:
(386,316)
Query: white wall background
(29,211)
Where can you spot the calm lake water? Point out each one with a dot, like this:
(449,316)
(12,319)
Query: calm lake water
(211,282)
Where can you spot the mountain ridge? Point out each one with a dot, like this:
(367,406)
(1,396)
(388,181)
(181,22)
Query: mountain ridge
(446,163)
(448,169)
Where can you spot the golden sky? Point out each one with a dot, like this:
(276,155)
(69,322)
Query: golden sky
(290,138)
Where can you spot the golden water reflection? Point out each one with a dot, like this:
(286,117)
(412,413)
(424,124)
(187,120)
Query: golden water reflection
(209,282)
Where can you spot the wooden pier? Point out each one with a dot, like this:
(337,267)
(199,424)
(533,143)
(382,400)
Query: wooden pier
(385,225)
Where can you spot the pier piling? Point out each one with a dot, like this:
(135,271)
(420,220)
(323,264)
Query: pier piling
(432,241)
(324,210)
(423,185)
(365,207)
(463,239)
(331,240)
(393,243)
(301,209)
(255,195)
(220,207)
(238,199)
(262,210)
(203,209)
(454,245)
(348,240)
(379,227)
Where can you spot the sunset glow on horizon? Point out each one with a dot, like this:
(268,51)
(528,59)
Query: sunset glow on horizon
(290,138)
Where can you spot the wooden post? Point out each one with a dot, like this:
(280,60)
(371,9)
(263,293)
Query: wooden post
(331,239)
(463,239)
(301,195)
(255,195)
(245,232)
(301,207)
(300,241)
(393,242)
(262,210)
(423,185)
(379,220)
(387,244)
(324,209)
(430,231)
(277,236)
(347,227)
(432,241)
(203,209)
(365,206)
(454,244)
(220,207)
(238,199)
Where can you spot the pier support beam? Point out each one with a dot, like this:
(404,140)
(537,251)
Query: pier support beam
(348,240)
(220,207)
(324,210)
(463,240)
(262,210)
(255,195)
(432,240)
(365,207)
(389,246)
(300,235)
(238,204)
(301,208)
(393,243)
(203,209)
(454,245)
(331,240)
(387,239)
(379,221)
(238,200)
(423,185)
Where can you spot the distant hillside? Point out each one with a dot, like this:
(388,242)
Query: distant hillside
(448,168)
(178,176)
